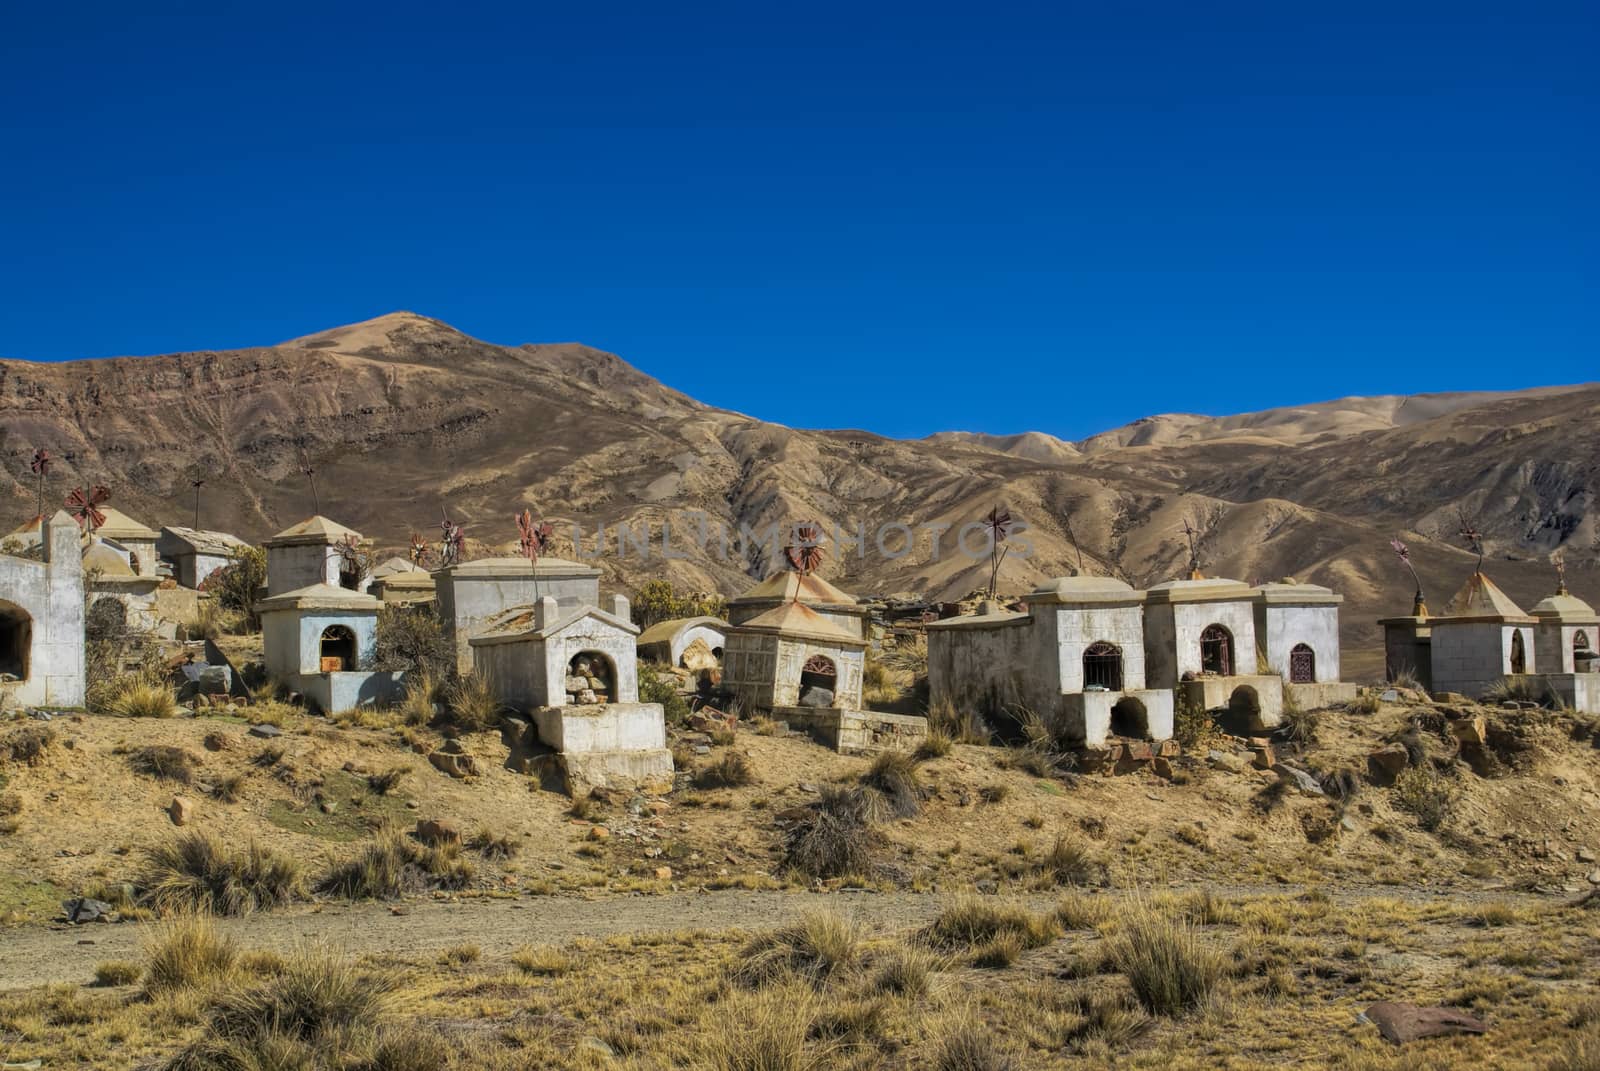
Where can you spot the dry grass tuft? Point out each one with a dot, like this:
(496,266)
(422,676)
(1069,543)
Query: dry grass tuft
(1170,970)
(186,951)
(907,972)
(969,922)
(197,872)
(891,788)
(812,950)
(834,839)
(117,972)
(769,1030)
(27,745)
(393,865)
(936,745)
(471,703)
(165,763)
(1426,795)
(139,697)
(729,770)
(543,961)
(388,780)
(967,1046)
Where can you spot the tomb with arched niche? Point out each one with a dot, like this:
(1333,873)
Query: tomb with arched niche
(41,620)
(1566,643)
(571,669)
(321,641)
(1297,628)
(1075,657)
(1201,640)
(1481,638)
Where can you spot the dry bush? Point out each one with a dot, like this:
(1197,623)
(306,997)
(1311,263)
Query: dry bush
(1193,728)
(1365,703)
(417,707)
(769,1030)
(1170,970)
(136,696)
(1070,861)
(995,793)
(385,782)
(1426,795)
(116,972)
(492,845)
(227,788)
(1106,1021)
(1299,725)
(907,972)
(1083,911)
(935,745)
(393,865)
(812,950)
(165,763)
(471,704)
(10,804)
(197,872)
(969,922)
(963,727)
(834,839)
(186,951)
(27,745)
(966,1045)
(729,770)
(999,952)
(891,788)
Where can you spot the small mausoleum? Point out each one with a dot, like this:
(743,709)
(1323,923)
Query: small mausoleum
(1481,638)
(321,641)
(1075,658)
(472,594)
(1297,627)
(130,540)
(110,578)
(1200,640)
(1566,644)
(411,586)
(694,643)
(41,621)
(572,669)
(307,555)
(194,554)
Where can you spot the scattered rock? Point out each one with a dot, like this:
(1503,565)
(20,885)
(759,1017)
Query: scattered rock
(1470,730)
(1299,778)
(1262,757)
(1400,1023)
(599,833)
(1221,760)
(437,831)
(663,873)
(454,764)
(266,732)
(1584,855)
(1390,696)
(1161,767)
(1386,764)
(180,810)
(82,909)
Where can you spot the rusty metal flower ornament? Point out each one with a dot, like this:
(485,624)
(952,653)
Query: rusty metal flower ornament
(532,536)
(805,553)
(420,552)
(354,560)
(84,505)
(998,525)
(1474,539)
(41,469)
(1419,606)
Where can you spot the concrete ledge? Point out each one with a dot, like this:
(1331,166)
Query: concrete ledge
(1580,691)
(1321,695)
(333,692)
(1235,694)
(856,732)
(649,770)
(1090,719)
(603,728)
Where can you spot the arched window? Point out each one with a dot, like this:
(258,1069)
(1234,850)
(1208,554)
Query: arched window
(1102,666)
(1519,655)
(1216,651)
(591,672)
(338,649)
(819,674)
(16,641)
(1302,664)
(1583,659)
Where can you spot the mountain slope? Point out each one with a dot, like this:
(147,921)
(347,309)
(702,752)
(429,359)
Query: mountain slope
(402,417)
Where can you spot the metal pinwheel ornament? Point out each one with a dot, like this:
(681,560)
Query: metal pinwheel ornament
(84,505)
(998,524)
(41,469)
(805,553)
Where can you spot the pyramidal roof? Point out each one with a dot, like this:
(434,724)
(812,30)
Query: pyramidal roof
(798,619)
(318,529)
(1480,597)
(791,586)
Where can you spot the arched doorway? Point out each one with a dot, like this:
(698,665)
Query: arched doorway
(16,641)
(1245,702)
(1583,655)
(1519,654)
(1302,664)
(597,675)
(1102,666)
(1130,718)
(817,676)
(1216,651)
(338,649)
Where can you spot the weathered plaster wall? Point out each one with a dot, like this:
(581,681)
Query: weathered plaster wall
(986,669)
(1280,628)
(1172,638)
(1470,656)
(1077,628)
(466,603)
(50,592)
(1553,645)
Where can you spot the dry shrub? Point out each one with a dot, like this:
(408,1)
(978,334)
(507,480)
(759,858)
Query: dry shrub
(729,770)
(1193,727)
(165,763)
(1365,703)
(227,788)
(1426,795)
(966,1045)
(812,950)
(186,951)
(385,782)
(117,972)
(27,745)
(137,696)
(197,872)
(999,952)
(10,804)
(935,745)
(1106,1021)
(1070,861)
(890,787)
(1299,725)
(471,704)
(834,839)
(964,727)
(1083,911)
(492,845)
(1170,970)
(768,1030)
(995,793)
(907,972)
(969,922)
(393,865)
(417,706)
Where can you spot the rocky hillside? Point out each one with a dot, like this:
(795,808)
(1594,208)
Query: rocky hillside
(403,416)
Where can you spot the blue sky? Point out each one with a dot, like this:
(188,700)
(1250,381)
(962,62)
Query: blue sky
(905,218)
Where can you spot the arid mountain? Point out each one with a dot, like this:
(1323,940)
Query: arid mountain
(402,417)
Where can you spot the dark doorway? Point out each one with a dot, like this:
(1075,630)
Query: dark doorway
(1245,702)
(1582,654)
(819,675)
(1130,718)
(16,641)
(1216,651)
(1519,656)
(338,649)
(1102,666)
(1302,664)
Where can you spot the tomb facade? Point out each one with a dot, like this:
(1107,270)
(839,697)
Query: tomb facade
(41,621)
(471,594)
(1200,640)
